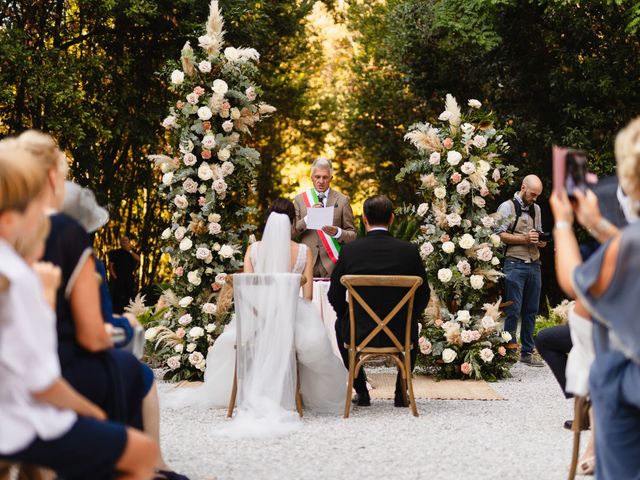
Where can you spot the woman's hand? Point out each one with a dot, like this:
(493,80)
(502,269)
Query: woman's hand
(587,209)
(49,274)
(561,207)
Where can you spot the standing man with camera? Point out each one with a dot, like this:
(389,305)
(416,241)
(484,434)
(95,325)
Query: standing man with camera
(521,231)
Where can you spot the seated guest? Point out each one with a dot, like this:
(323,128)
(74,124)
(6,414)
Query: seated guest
(112,378)
(378,253)
(43,420)
(606,285)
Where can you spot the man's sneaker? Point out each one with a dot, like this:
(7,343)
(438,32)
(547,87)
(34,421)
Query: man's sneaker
(530,360)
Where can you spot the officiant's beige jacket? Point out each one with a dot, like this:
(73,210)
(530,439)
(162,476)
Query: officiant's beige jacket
(342,217)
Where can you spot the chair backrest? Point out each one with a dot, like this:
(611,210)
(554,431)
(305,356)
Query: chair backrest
(266,307)
(352,282)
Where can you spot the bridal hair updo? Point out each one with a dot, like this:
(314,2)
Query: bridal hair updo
(284,206)
(627,151)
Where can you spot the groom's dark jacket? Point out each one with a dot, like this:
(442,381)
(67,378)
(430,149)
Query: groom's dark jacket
(378,253)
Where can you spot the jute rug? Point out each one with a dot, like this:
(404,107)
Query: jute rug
(384,385)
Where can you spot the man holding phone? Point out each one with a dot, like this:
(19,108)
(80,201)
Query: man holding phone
(521,232)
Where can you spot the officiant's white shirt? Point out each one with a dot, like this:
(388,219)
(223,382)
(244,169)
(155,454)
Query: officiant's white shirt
(324,204)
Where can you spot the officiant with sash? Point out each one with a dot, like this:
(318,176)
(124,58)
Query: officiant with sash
(325,243)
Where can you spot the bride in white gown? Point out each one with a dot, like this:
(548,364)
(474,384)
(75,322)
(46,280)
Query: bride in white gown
(322,374)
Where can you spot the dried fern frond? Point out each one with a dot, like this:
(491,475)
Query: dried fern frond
(170,298)
(167,336)
(188,60)
(247,119)
(424,140)
(491,275)
(451,106)
(265,109)
(225,298)
(215,28)
(159,160)
(493,309)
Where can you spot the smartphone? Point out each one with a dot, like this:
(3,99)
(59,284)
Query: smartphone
(569,170)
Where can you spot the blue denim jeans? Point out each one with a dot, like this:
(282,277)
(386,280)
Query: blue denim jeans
(523,282)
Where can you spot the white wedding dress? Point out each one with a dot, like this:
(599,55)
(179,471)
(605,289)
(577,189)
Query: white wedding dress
(322,374)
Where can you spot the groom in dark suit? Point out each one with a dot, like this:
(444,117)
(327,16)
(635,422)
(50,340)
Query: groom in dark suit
(378,253)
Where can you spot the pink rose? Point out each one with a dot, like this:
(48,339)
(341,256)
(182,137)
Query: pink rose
(448,143)
(199,90)
(192,98)
(438,322)
(179,104)
(456,177)
(175,162)
(202,201)
(502,351)
(206,126)
(484,192)
(206,154)
(475,335)
(466,368)
(226,105)
(444,238)
(180,332)
(215,286)
(179,271)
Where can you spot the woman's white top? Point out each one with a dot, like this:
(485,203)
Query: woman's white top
(581,355)
(28,359)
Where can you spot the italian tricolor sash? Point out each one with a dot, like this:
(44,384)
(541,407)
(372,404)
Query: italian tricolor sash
(330,244)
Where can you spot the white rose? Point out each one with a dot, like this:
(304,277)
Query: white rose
(250,92)
(214,228)
(463,316)
(190,186)
(204,66)
(496,175)
(224,154)
(468,168)
(444,116)
(186,244)
(434,158)
(185,319)
(466,241)
(195,358)
(221,278)
(444,275)
(220,186)
(210,326)
(196,332)
(425,346)
(180,233)
(209,141)
(448,247)
(185,301)
(204,113)
(220,87)
(479,141)
(169,121)
(194,278)
(181,201)
(178,348)
(454,157)
(467,128)
(484,167)
(488,322)
(506,336)
(476,281)
(205,172)
(214,217)
(473,103)
(205,41)
(423,208)
(426,249)
(453,219)
(150,334)
(209,309)
(166,233)
(216,247)
(202,189)
(234,113)
(495,261)
(227,126)
(167,178)
(440,192)
(203,253)
(479,201)
(448,355)
(466,336)
(177,77)
(486,355)
(487,222)
(463,187)
(495,239)
(191,347)
(227,168)
(173,362)
(189,159)
(226,251)
(484,254)
(232,54)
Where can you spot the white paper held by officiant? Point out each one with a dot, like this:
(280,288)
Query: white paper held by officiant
(319,217)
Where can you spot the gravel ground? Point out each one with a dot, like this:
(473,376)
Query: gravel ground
(519,438)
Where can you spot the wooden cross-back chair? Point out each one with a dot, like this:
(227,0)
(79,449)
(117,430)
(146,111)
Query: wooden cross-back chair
(234,388)
(581,407)
(399,352)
